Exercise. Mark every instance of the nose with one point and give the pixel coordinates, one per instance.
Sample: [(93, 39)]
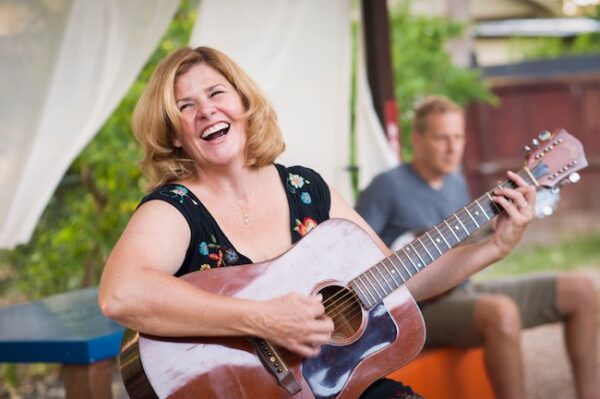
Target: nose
[(454, 145), (206, 109)]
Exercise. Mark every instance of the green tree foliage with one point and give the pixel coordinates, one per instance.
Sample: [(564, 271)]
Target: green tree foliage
[(95, 199), (422, 66)]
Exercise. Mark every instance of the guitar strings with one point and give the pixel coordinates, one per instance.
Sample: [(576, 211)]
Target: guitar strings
[(337, 304)]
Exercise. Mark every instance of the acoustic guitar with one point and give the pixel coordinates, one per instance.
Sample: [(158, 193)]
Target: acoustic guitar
[(378, 326)]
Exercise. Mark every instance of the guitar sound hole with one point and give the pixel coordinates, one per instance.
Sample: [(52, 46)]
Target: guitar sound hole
[(343, 307)]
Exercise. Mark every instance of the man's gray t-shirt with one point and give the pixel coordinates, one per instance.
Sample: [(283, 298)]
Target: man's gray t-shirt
[(400, 201)]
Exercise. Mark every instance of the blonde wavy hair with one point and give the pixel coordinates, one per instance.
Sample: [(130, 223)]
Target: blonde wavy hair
[(156, 118)]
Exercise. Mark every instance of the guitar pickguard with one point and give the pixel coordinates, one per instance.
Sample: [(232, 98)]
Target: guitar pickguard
[(328, 373)]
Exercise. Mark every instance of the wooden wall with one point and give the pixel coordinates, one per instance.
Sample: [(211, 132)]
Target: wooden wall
[(496, 135)]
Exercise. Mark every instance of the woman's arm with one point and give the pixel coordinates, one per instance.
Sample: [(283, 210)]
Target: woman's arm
[(138, 289)]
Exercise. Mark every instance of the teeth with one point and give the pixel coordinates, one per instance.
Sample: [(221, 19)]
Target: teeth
[(214, 129)]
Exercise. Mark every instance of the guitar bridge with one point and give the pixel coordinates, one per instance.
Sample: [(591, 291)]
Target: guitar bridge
[(274, 363)]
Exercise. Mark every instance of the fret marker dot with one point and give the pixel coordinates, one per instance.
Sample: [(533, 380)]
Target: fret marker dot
[(408, 249), (438, 240), (418, 264), (477, 213), (456, 227)]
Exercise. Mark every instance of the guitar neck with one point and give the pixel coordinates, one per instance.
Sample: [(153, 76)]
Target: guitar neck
[(393, 271)]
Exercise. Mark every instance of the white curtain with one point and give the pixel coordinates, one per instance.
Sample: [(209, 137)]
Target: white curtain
[(65, 65), (373, 152), (299, 53)]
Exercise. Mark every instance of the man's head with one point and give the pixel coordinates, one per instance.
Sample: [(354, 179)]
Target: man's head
[(438, 136)]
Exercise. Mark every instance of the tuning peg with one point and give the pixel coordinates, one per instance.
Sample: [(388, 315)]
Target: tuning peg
[(547, 210), (526, 148), (545, 135), (574, 177), (535, 142)]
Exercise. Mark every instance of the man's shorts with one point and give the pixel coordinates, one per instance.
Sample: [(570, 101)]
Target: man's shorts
[(450, 319)]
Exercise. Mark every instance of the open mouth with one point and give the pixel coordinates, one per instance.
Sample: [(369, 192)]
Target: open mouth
[(215, 131)]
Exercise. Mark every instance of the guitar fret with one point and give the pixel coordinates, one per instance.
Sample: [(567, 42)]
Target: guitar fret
[(461, 224), (425, 248), (384, 277), (443, 238), (452, 231), (402, 263), (418, 256), (469, 213), (390, 273), (493, 203), (366, 299), (411, 261), (527, 177), (482, 210), (396, 271), (431, 239), (375, 286), (367, 288), (377, 279)]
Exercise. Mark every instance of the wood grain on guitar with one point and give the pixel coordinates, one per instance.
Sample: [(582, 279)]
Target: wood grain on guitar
[(378, 326)]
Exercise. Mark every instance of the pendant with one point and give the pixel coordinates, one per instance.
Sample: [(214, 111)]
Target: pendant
[(246, 219)]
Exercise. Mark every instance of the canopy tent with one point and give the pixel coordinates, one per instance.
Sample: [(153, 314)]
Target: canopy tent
[(67, 66)]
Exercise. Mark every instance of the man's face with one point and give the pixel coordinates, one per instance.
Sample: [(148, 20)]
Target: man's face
[(441, 147)]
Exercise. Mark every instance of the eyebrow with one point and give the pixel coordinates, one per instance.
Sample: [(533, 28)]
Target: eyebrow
[(208, 89), (183, 99)]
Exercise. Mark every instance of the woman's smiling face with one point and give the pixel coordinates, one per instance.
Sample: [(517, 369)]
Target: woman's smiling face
[(213, 129)]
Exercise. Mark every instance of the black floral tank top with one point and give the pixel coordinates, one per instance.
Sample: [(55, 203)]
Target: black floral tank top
[(309, 203)]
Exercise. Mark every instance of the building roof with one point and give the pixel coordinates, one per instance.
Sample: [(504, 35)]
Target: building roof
[(554, 27)]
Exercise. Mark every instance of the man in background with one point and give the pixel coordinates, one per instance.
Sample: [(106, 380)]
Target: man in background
[(414, 197)]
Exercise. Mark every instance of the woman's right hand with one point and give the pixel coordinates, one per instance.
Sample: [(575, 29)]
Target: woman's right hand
[(296, 322)]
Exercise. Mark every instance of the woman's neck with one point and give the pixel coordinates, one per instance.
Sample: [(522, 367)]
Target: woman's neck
[(237, 183)]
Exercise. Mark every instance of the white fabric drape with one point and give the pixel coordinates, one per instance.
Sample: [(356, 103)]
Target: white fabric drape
[(65, 66), (299, 53), (373, 152)]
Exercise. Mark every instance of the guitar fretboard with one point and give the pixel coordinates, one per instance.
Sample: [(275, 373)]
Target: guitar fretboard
[(392, 272)]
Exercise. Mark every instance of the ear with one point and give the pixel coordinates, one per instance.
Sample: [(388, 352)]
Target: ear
[(175, 141)]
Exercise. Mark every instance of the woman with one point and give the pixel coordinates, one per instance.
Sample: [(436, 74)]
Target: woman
[(210, 139)]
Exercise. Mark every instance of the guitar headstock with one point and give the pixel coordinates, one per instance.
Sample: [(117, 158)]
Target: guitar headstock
[(555, 158)]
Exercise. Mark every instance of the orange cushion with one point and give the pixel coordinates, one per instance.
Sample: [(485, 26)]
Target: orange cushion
[(447, 373)]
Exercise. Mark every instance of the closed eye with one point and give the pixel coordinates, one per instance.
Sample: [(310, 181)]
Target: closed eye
[(184, 106), (216, 92)]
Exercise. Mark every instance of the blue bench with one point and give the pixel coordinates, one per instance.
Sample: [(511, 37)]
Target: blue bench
[(68, 329)]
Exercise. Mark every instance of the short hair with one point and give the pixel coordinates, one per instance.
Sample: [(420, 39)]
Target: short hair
[(156, 117), (435, 104)]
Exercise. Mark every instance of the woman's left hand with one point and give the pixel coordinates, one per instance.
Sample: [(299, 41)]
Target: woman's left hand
[(519, 206)]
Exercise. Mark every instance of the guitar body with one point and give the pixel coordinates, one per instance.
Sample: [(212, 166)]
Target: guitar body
[(366, 344)]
